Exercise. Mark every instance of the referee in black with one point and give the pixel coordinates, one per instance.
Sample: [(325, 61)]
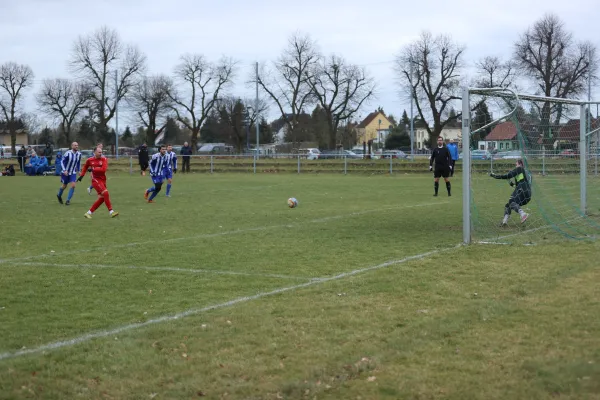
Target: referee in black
[(443, 165)]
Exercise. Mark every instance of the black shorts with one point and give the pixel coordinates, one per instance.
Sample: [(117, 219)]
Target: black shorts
[(441, 171), (521, 195)]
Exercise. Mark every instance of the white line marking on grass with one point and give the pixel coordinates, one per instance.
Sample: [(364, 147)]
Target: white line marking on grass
[(194, 311), (174, 269), (217, 234)]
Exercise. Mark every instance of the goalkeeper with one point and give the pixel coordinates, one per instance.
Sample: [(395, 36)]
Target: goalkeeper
[(520, 196)]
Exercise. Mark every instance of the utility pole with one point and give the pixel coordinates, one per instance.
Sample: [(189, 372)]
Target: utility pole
[(256, 113), (412, 122), (117, 114)]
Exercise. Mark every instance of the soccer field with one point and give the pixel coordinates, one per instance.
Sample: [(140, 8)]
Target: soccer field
[(222, 291)]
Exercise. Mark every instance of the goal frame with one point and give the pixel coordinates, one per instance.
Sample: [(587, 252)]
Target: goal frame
[(466, 143)]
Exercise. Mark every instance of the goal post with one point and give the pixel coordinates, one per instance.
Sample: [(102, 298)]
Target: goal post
[(557, 140)]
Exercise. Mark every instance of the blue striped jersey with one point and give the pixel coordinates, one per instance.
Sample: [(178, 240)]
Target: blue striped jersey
[(71, 162), (157, 164), (170, 160)]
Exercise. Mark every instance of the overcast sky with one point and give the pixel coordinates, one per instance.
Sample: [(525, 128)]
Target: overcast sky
[(41, 33)]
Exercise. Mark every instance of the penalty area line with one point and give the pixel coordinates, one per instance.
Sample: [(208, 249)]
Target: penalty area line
[(195, 311), (170, 269), (219, 234)]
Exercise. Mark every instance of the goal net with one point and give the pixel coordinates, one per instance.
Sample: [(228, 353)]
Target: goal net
[(558, 142)]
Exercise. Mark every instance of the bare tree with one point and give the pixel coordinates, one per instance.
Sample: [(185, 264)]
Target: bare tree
[(341, 89), (64, 99), (151, 102), (493, 72), (202, 85), (431, 68), (288, 83), (232, 114), (556, 64), (14, 79), (255, 111), (96, 58)]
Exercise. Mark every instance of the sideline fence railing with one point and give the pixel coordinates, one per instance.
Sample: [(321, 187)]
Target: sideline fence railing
[(542, 163)]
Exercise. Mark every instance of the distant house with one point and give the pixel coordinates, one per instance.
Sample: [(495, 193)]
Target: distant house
[(376, 127), (568, 134), (502, 138), (421, 134), (22, 139), (452, 131)]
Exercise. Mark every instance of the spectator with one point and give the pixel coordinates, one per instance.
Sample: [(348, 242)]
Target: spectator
[(57, 164), (143, 158), (21, 154), (186, 152), (41, 166), (8, 171), (32, 164), (48, 153), (30, 152), (453, 149)]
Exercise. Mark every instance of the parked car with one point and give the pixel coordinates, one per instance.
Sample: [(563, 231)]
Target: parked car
[(568, 153), (309, 153), (480, 155), (512, 155), (393, 154)]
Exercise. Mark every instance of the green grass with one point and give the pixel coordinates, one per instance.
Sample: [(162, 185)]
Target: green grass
[(482, 322)]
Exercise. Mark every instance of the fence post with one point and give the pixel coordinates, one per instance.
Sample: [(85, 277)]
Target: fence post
[(345, 164), (298, 163), (596, 152), (130, 165), (544, 161), (391, 160), (211, 164), (255, 163)]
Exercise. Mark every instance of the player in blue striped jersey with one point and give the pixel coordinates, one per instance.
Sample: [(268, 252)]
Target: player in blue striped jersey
[(170, 167), (157, 170), (70, 163)]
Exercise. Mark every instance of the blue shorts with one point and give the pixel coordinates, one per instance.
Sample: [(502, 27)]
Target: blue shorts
[(157, 179), (168, 174), (66, 179)]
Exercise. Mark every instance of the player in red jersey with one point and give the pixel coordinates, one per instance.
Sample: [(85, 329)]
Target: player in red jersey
[(98, 164)]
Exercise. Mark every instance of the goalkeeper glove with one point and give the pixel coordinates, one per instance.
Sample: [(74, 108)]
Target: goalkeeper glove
[(511, 183), (430, 168), (80, 178), (89, 169), (493, 175), (175, 171)]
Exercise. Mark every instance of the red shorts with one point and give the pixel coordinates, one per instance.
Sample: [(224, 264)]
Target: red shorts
[(100, 186)]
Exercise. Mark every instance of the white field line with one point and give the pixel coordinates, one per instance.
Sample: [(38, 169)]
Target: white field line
[(218, 234), (540, 228), (173, 269), (194, 311)]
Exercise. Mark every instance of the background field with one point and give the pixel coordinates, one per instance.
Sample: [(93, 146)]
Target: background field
[(223, 292)]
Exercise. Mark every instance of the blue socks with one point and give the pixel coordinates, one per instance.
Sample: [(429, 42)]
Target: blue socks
[(60, 192), (154, 193), (71, 191), (168, 188)]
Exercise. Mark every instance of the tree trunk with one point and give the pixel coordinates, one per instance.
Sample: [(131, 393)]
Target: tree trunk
[(194, 138)]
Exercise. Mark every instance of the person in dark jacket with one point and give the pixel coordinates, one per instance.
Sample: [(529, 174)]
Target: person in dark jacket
[(143, 158), (21, 154), (8, 171), (186, 152), (48, 150)]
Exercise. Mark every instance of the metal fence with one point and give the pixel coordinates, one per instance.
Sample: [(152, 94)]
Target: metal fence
[(538, 162)]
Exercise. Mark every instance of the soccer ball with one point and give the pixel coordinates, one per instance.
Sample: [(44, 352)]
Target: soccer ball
[(292, 202)]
